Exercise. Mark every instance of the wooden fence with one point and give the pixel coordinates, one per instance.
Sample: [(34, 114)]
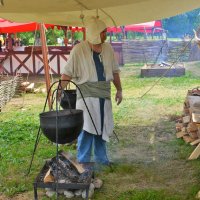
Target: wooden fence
[(8, 88), (155, 51), (132, 51)]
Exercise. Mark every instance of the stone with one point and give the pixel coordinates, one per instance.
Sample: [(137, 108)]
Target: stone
[(78, 193), (91, 191), (68, 194), (50, 193), (97, 183)]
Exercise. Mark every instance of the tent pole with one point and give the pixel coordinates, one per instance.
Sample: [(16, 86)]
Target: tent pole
[(45, 61), (84, 34)]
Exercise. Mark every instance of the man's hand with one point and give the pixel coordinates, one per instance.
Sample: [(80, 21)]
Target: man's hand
[(64, 82), (118, 97), (117, 83)]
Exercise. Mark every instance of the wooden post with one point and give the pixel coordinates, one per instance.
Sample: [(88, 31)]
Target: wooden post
[(72, 37), (45, 61), (84, 34)]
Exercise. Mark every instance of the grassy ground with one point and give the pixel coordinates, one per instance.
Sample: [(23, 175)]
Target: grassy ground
[(150, 163)]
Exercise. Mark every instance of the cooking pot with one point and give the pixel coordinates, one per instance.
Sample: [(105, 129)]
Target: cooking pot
[(69, 125), (68, 99)]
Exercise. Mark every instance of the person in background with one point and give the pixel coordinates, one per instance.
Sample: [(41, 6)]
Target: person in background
[(9, 42), (0, 46), (1, 39), (92, 66), (17, 42), (65, 41)]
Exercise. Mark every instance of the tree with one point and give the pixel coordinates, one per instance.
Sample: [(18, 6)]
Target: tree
[(180, 25)]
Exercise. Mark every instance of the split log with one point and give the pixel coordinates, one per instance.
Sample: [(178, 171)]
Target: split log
[(186, 119), (49, 178), (193, 134), (195, 154), (179, 126), (30, 88), (188, 139), (181, 134), (186, 111), (192, 127), (37, 90), (25, 84), (196, 117), (198, 132), (78, 166), (195, 142)]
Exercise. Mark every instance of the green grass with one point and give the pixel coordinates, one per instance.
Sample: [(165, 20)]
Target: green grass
[(149, 194), (145, 130)]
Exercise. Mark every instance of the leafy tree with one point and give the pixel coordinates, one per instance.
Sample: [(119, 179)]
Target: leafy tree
[(180, 25)]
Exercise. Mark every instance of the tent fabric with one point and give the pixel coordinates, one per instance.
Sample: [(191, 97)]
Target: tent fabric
[(113, 12), (144, 27), (14, 27), (114, 29), (147, 27)]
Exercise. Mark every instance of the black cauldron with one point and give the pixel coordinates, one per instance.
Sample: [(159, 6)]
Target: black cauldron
[(68, 99), (69, 125)]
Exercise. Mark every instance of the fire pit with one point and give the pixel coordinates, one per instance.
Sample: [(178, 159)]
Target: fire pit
[(60, 127), (163, 69), (68, 176)]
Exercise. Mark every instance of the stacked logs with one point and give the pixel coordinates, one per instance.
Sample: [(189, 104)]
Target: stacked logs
[(188, 126)]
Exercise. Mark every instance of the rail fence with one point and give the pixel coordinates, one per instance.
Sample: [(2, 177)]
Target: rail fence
[(9, 85), (156, 51)]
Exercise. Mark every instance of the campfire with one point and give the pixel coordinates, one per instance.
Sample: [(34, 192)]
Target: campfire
[(63, 175)]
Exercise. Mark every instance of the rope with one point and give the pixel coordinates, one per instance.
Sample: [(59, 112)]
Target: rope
[(27, 77)]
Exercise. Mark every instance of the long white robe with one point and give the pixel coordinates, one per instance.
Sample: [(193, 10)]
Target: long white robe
[(81, 67)]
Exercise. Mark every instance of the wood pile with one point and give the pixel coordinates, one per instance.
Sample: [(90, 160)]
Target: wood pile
[(28, 87), (188, 126), (71, 173)]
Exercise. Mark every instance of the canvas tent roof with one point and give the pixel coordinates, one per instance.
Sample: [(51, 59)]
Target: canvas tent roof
[(13, 27), (144, 27), (67, 12), (7, 26), (147, 27)]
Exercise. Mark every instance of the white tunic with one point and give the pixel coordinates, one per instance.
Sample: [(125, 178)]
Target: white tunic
[(81, 67)]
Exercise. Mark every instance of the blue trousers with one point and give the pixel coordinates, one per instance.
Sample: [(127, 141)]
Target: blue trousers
[(86, 142)]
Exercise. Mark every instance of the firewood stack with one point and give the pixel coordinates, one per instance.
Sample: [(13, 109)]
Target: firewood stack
[(188, 126)]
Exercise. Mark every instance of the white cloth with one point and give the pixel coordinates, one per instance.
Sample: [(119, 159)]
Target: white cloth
[(81, 67), (94, 27)]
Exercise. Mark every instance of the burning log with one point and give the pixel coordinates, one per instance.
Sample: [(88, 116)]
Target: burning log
[(66, 169), (78, 166), (49, 177), (63, 173)]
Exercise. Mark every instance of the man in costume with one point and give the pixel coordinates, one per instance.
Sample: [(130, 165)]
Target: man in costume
[(92, 66)]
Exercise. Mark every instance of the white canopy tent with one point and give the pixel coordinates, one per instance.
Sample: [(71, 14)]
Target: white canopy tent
[(67, 12), (73, 13)]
